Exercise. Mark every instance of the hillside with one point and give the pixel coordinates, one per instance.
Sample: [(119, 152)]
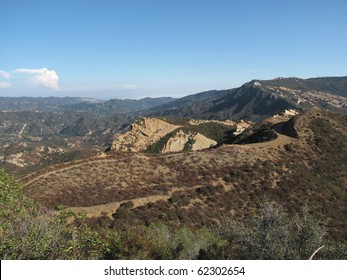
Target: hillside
[(259, 99), (304, 165)]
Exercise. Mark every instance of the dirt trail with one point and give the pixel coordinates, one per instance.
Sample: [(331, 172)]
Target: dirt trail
[(110, 208), (46, 174), (279, 142)]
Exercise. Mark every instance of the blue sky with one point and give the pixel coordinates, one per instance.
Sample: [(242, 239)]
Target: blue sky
[(136, 48)]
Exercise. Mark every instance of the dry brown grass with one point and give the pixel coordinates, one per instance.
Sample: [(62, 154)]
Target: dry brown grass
[(115, 179)]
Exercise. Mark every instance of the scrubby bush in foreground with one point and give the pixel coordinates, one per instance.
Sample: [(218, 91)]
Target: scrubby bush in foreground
[(29, 232)]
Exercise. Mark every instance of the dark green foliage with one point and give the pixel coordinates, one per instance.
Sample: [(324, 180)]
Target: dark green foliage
[(256, 134), (215, 131), (160, 242), (188, 145), (157, 147)]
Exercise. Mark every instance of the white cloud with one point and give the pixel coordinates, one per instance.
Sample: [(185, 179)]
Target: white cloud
[(43, 76), (5, 85), (5, 74)]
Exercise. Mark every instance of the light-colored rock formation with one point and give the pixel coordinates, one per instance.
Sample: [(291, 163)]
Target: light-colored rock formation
[(241, 126), (148, 131), (201, 142), (16, 159), (188, 141), (142, 134), (287, 113), (290, 112)]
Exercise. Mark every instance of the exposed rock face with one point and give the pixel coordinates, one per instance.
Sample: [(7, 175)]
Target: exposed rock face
[(188, 141), (142, 134), (287, 113), (201, 142), (290, 113)]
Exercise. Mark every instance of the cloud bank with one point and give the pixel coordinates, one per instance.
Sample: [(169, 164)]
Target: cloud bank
[(42, 77)]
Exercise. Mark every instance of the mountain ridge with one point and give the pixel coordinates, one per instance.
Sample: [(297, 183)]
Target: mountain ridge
[(258, 99)]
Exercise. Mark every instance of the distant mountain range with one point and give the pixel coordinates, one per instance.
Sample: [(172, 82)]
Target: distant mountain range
[(252, 101)]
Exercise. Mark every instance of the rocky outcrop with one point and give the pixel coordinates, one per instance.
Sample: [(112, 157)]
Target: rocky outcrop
[(142, 134), (188, 141), (162, 136), (287, 113), (241, 126)]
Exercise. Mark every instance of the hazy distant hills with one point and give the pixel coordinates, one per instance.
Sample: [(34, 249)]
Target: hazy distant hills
[(60, 104), (113, 106), (40, 103), (63, 124), (259, 99)]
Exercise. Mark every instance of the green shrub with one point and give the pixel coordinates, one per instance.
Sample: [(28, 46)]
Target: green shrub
[(29, 232)]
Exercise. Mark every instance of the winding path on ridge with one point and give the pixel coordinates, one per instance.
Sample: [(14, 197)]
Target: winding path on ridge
[(279, 142), (268, 149)]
